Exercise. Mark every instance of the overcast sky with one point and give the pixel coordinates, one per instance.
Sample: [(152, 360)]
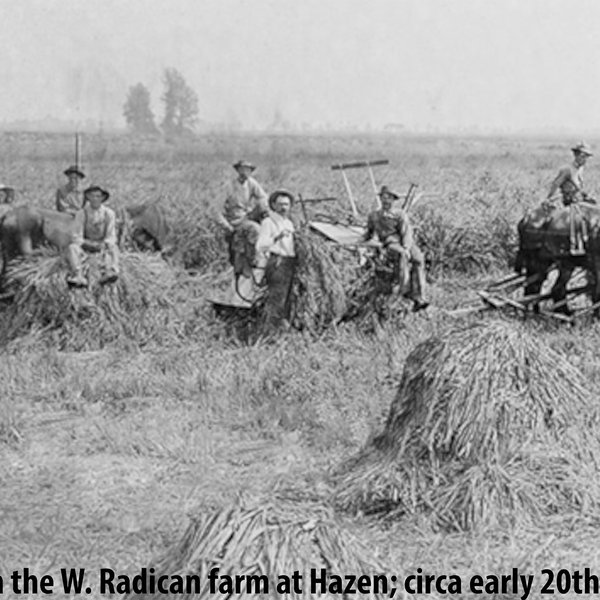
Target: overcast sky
[(441, 64)]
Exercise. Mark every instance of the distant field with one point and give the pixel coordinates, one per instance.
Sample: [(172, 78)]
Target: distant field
[(106, 455)]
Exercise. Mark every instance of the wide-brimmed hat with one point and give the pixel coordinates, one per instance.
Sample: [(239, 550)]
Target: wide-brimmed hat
[(244, 163), (97, 188), (582, 148), (276, 195), (386, 191), (10, 192), (75, 169)]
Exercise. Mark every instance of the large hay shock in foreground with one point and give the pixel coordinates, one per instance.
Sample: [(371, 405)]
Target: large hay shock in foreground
[(136, 306), (488, 425)]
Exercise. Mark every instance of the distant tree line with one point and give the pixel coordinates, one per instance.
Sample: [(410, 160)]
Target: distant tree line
[(180, 103)]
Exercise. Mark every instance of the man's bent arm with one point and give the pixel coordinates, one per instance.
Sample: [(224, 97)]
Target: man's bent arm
[(558, 181), (111, 230)]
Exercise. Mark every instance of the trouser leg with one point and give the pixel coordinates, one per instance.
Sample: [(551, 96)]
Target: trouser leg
[(401, 267), (74, 257), (111, 259), (417, 274), (279, 274), (243, 247)]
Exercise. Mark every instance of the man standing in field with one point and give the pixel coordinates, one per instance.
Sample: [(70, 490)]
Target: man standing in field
[(570, 183), (395, 233), (276, 253), (99, 235), (570, 177), (68, 197)]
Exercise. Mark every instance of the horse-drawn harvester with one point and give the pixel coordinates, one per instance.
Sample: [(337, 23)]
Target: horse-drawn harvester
[(335, 238)]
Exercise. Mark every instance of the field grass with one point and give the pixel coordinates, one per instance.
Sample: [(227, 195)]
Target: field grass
[(108, 453)]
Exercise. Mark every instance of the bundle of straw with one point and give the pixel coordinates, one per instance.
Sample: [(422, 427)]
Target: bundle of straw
[(290, 530), (324, 271), (370, 298), (137, 305), (487, 423)]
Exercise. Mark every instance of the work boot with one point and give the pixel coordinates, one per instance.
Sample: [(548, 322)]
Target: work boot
[(77, 281), (564, 309), (420, 305), (109, 278)]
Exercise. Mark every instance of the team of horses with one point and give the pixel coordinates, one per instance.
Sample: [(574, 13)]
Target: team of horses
[(545, 240)]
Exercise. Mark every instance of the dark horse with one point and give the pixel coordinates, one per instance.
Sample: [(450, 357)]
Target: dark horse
[(545, 239)]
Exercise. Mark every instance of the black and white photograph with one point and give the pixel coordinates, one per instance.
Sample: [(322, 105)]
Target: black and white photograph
[(300, 299)]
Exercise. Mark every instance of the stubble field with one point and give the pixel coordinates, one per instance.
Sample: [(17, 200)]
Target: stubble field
[(107, 453)]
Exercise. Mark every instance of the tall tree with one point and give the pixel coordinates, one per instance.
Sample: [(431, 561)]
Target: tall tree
[(181, 104), (137, 111)]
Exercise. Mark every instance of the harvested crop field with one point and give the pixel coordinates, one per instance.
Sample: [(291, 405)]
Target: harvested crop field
[(128, 430)]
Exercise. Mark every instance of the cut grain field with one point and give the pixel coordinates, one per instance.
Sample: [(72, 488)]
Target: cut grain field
[(111, 448)]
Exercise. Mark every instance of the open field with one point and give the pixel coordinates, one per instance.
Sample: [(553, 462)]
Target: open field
[(108, 453)]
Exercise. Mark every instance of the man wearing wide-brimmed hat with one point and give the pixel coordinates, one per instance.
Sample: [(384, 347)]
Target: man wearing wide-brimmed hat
[(570, 177), (570, 183), (99, 235), (245, 207), (68, 197), (394, 231), (245, 198), (277, 254)]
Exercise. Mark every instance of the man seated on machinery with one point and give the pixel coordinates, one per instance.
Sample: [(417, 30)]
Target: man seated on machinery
[(245, 207), (570, 183), (394, 231)]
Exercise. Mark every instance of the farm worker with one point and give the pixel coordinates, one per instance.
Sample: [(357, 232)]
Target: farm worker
[(276, 253), (570, 183), (245, 206), (68, 197), (394, 231), (99, 235), (570, 177)]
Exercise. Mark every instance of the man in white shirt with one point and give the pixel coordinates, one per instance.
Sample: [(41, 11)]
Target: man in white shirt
[(276, 252), (570, 177), (99, 235)]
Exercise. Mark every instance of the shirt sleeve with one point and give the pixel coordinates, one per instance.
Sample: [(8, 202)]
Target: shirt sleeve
[(259, 195), (111, 230), (563, 175)]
